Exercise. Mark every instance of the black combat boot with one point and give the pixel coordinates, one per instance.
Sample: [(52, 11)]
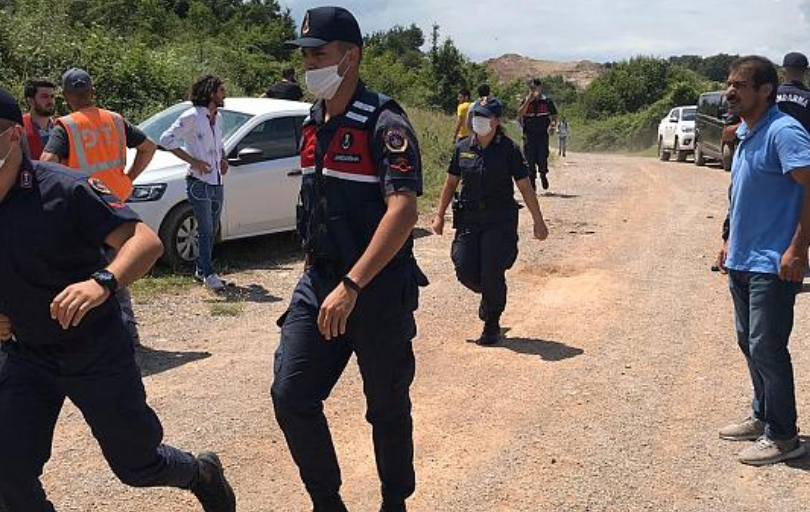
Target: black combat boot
[(330, 505), (393, 507), (211, 488), (491, 334)]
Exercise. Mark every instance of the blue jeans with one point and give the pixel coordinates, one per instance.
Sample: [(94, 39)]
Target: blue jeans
[(206, 200), (763, 306)]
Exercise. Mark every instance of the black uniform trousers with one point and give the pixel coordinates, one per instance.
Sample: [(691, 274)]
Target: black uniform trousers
[(482, 253), (536, 152), (98, 373), (307, 367)]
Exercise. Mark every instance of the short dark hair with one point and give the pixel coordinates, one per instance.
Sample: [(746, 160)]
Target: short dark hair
[(33, 85), (465, 92), (204, 89), (288, 73), (484, 90), (763, 72)]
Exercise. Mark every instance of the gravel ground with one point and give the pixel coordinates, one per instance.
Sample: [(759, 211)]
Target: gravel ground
[(620, 366)]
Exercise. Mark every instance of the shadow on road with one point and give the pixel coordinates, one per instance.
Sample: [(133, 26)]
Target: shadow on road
[(548, 350), (279, 251), (559, 195), (152, 362), (804, 462), (251, 293)]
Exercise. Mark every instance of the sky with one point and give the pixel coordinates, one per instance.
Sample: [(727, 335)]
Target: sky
[(597, 30)]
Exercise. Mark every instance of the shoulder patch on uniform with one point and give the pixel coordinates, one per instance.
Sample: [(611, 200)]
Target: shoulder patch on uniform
[(396, 141), (99, 186)]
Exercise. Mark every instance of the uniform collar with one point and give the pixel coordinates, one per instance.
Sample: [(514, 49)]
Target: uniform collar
[(317, 112), (495, 141), (796, 83)]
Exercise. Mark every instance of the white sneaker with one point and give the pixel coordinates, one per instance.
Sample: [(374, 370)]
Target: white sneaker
[(214, 283)]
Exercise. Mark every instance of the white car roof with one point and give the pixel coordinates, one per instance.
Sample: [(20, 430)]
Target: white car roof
[(257, 106)]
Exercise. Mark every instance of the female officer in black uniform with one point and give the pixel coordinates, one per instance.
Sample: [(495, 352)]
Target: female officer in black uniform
[(486, 213)]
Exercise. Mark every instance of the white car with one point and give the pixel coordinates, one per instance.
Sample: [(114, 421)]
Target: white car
[(676, 134), (261, 187)]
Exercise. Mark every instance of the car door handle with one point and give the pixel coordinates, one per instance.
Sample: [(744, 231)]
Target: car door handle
[(297, 172)]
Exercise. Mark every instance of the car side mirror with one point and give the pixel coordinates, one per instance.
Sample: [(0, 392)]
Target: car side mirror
[(247, 156)]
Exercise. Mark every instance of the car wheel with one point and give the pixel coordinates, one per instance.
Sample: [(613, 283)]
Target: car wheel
[(700, 160), (663, 154), (179, 236), (728, 157), (680, 154)]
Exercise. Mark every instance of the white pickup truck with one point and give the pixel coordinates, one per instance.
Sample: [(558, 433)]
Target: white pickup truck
[(676, 134)]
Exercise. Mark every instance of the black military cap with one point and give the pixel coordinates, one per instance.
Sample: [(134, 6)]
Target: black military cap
[(795, 60), (9, 108), (326, 24)]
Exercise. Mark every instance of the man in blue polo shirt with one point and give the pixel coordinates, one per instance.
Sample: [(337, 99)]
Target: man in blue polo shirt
[(766, 255)]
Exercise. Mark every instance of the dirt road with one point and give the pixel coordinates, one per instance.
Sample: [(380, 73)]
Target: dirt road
[(620, 366)]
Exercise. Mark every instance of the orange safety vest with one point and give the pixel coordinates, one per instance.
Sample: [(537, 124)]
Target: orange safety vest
[(98, 146)]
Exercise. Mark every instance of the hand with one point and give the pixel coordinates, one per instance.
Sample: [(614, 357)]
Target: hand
[(224, 166), (794, 264), (335, 311), (438, 224), (5, 328), (721, 258), (200, 166), (540, 230), (70, 306)]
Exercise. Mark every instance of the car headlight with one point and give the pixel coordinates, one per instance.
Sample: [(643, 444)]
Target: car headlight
[(147, 193), (687, 129)]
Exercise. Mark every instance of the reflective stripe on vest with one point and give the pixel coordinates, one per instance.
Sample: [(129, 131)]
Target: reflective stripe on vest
[(98, 147)]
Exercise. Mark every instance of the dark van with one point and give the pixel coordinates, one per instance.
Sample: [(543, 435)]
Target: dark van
[(715, 130)]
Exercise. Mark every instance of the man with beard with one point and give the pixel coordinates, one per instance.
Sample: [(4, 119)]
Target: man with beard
[(40, 97), (196, 138)]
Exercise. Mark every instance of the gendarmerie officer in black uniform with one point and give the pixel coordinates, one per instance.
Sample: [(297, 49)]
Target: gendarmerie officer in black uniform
[(486, 165), (63, 334), (793, 97), (538, 114), (358, 294)]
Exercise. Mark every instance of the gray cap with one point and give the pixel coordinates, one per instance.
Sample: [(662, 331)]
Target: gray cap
[(795, 60), (76, 80)]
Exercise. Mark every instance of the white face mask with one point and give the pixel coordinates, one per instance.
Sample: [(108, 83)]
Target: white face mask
[(324, 83), (481, 125), (5, 157)]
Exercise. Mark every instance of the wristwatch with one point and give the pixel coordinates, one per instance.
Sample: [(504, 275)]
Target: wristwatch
[(106, 279)]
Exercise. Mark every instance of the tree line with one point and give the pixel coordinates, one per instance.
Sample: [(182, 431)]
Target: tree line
[(143, 54)]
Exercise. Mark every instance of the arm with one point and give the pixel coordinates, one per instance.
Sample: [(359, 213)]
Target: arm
[(529, 197), (449, 188), (395, 227), (138, 248), (5, 328), (172, 139), (145, 151), (524, 106), (50, 157), (794, 261), (459, 123)]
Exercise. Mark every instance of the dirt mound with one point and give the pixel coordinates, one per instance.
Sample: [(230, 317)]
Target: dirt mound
[(512, 66)]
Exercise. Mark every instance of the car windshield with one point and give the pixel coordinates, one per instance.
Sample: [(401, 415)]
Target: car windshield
[(160, 122), (689, 114)]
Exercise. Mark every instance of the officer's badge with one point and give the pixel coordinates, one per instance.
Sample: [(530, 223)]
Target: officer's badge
[(27, 179), (99, 186), (305, 25), (396, 141), (401, 164), (346, 140)]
